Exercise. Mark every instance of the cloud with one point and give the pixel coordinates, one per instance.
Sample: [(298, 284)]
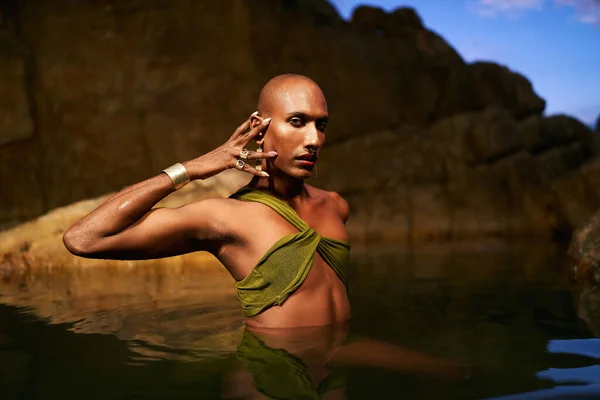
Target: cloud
[(477, 49), (586, 11), (507, 8)]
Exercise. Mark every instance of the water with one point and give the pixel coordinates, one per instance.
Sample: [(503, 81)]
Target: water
[(147, 332)]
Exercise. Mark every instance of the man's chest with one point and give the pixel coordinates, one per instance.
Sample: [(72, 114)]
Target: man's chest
[(260, 228), (265, 229), (323, 218)]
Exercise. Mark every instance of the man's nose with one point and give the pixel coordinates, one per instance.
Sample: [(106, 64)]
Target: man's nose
[(313, 137)]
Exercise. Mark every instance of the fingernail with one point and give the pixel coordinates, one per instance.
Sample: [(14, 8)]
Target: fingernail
[(266, 120), (272, 153), (264, 173), (254, 114)]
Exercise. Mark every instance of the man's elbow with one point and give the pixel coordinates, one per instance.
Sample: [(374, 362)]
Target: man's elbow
[(75, 244)]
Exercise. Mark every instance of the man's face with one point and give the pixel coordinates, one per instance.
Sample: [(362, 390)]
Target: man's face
[(298, 112)]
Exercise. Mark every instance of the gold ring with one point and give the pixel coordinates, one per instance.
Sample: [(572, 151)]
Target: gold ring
[(244, 153), (239, 164)]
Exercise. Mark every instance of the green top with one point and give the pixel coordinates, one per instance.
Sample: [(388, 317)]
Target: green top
[(285, 266), (281, 375)]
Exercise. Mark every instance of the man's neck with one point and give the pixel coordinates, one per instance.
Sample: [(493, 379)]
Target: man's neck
[(287, 188)]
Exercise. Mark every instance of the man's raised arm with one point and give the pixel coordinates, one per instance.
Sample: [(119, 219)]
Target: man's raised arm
[(126, 227)]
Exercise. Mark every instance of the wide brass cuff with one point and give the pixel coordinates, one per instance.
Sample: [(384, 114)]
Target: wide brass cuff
[(178, 175)]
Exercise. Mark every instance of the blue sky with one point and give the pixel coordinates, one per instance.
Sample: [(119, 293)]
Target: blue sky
[(554, 43)]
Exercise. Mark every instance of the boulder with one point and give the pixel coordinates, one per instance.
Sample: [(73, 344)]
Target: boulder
[(404, 18), (584, 249), (109, 93), (496, 85), (16, 123), (475, 174), (38, 243), (371, 20), (579, 197)]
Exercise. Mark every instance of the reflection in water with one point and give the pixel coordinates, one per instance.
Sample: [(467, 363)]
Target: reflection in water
[(287, 364), (578, 383), (163, 332), (308, 363), (162, 306)]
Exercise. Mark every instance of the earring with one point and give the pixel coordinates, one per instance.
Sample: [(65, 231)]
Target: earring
[(316, 171), (258, 165)]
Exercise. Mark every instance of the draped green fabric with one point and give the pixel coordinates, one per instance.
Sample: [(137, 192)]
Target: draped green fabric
[(285, 266), (280, 375)]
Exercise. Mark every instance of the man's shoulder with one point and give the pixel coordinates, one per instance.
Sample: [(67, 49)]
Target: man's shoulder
[(214, 203), (219, 209), (332, 199), (221, 216)]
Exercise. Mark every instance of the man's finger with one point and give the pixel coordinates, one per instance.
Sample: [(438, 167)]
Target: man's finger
[(258, 128), (254, 155), (254, 171), (244, 126), (245, 167)]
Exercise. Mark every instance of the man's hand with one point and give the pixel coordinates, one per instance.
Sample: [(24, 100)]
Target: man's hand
[(230, 153), (126, 227)]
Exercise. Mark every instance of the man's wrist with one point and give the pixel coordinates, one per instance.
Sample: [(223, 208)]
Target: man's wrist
[(178, 174), (202, 168), (192, 170)]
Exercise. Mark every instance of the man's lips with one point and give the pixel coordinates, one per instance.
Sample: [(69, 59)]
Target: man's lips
[(307, 157), (305, 163)]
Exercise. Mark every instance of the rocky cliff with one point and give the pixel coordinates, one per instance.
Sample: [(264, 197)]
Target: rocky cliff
[(38, 243), (99, 94)]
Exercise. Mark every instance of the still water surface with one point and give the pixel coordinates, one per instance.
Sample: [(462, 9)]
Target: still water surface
[(163, 332)]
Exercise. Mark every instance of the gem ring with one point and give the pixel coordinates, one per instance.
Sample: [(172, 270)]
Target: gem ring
[(244, 153), (239, 164)]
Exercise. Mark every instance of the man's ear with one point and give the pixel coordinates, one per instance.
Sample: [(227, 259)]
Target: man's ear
[(255, 120)]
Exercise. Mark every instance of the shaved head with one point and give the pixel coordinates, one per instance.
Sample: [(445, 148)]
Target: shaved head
[(285, 88), (298, 112)]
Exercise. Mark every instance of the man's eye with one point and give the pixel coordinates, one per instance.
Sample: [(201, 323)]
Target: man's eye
[(322, 126), (296, 121)]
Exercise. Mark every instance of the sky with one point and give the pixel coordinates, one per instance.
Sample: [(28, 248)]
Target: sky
[(554, 43)]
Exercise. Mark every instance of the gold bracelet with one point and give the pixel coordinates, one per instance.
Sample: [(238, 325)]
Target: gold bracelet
[(178, 175)]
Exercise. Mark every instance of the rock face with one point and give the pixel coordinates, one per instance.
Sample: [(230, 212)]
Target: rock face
[(106, 93), (38, 243), (478, 174), (584, 251)]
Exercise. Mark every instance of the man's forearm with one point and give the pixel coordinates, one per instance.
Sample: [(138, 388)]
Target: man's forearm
[(121, 210), (126, 207), (126, 190)]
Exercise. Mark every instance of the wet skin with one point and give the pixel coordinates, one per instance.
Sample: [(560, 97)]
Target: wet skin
[(290, 126)]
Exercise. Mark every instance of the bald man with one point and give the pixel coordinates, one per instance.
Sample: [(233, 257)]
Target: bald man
[(282, 240)]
